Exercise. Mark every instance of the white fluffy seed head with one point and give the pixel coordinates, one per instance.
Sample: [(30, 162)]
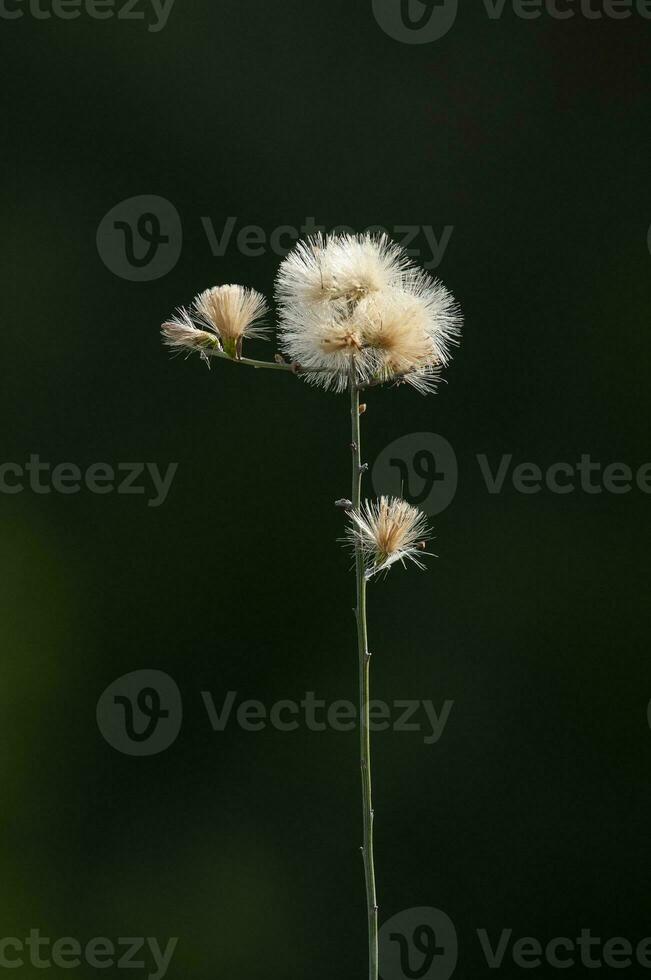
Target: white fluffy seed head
[(325, 341), (233, 312), (357, 304), (339, 267), (395, 333), (386, 531), (443, 317), (181, 334)]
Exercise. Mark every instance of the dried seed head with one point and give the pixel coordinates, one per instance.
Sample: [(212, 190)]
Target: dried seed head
[(386, 531), (233, 312), (395, 329), (181, 334), (357, 304), (339, 268)]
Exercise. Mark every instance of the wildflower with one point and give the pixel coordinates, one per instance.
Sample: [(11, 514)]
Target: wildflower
[(396, 338), (232, 312), (357, 306), (354, 311), (326, 342), (339, 267), (180, 333), (386, 531), (442, 317)]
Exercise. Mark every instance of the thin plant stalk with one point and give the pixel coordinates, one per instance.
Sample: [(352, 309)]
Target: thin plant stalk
[(353, 309), (364, 694)]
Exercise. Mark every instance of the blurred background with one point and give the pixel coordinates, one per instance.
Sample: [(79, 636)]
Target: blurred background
[(520, 145)]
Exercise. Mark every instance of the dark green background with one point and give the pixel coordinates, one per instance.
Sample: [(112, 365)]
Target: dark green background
[(532, 811)]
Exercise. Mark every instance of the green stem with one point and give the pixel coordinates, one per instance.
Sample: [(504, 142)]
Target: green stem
[(364, 697), (267, 365)]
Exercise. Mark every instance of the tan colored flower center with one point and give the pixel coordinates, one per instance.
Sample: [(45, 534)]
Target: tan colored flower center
[(340, 339), (390, 533)]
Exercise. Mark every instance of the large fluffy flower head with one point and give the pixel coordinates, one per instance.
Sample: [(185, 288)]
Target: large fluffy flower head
[(340, 267), (356, 307), (387, 531), (326, 341), (396, 335)]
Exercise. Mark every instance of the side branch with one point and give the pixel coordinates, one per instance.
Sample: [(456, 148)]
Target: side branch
[(279, 364)]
